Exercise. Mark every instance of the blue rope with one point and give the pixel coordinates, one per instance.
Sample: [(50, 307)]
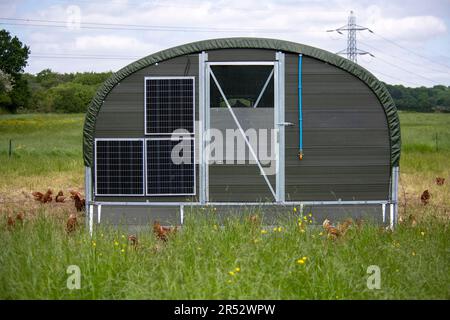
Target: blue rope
[(300, 109)]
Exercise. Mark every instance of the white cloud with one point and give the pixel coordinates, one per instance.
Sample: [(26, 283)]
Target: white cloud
[(300, 21)]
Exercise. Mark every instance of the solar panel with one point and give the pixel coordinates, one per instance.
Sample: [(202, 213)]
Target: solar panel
[(170, 166), (119, 167), (169, 104)]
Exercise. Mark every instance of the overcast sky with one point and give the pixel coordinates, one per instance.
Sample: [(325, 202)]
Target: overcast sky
[(411, 40)]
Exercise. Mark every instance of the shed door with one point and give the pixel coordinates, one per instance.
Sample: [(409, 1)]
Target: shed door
[(242, 148)]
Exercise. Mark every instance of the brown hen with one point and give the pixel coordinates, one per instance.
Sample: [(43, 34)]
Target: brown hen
[(60, 197), (72, 223), (425, 197), (331, 230), (47, 196), (161, 232)]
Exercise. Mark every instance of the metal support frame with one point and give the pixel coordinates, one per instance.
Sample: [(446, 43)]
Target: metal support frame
[(394, 198), (87, 191), (263, 89), (279, 126), (285, 203), (203, 126)]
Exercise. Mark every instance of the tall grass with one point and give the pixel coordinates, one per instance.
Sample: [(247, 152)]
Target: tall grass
[(197, 261)]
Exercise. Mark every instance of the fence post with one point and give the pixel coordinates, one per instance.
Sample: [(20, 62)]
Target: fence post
[(10, 148)]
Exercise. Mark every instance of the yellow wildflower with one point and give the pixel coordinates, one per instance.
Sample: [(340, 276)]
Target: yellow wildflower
[(422, 233), (301, 261), (321, 233), (231, 273), (237, 269), (279, 229), (310, 215), (94, 244), (304, 258), (413, 253), (123, 250), (295, 209), (215, 227), (263, 231), (302, 230), (116, 243), (123, 236)]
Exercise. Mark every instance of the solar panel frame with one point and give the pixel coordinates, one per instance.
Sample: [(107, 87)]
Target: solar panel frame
[(194, 169), (143, 167), (145, 104)]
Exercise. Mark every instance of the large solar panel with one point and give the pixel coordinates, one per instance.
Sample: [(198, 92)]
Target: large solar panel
[(119, 167), (169, 105), (170, 166)]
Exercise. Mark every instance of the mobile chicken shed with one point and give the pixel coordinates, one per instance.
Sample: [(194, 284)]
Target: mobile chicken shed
[(241, 122)]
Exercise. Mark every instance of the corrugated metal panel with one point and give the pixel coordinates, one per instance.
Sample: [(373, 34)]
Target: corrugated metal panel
[(345, 136)]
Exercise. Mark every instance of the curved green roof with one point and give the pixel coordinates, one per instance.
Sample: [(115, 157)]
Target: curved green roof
[(240, 43)]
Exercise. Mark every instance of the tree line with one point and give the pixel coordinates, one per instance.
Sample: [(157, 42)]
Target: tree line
[(49, 91)]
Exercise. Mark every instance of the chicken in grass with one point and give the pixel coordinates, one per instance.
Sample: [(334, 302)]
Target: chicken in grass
[(161, 232), (72, 223), (11, 222), (60, 197), (47, 196), (38, 196), (343, 227), (332, 231), (254, 219), (425, 197), (80, 203), (20, 217), (133, 240), (440, 181)]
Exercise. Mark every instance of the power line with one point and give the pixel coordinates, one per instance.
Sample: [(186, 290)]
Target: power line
[(410, 51), (406, 70), (134, 27), (395, 78), (80, 57), (400, 58)]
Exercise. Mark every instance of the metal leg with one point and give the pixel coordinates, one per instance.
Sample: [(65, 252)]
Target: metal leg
[(91, 219), (383, 208), (182, 213), (99, 213), (391, 216)]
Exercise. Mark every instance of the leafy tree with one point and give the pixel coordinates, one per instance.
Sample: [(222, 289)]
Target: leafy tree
[(13, 59)]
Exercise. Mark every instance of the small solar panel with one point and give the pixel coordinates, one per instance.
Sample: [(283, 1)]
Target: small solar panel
[(170, 166), (169, 105), (119, 167)]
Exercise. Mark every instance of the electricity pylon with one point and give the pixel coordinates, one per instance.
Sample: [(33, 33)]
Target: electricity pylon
[(352, 51)]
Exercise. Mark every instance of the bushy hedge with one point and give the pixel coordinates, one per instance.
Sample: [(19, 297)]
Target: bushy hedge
[(63, 93)]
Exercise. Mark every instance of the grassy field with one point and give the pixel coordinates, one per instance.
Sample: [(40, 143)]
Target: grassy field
[(237, 261)]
